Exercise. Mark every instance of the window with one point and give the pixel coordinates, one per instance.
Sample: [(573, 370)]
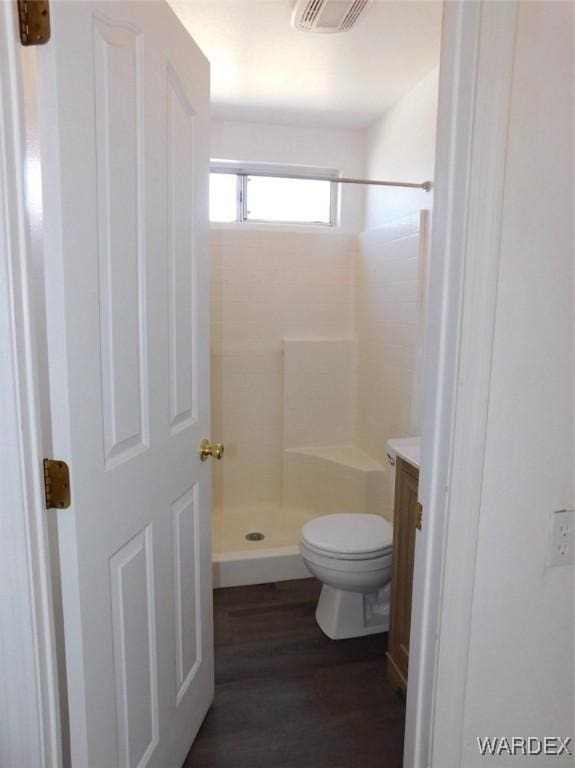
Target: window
[(242, 197)]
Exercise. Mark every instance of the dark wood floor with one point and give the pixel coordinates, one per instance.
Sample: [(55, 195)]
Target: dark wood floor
[(287, 696)]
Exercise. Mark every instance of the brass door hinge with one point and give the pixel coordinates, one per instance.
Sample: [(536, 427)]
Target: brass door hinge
[(34, 19), (56, 484), (419, 518)]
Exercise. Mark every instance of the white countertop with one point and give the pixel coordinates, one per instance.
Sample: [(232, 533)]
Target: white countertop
[(407, 448)]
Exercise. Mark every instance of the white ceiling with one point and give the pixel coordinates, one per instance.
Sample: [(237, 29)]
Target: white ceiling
[(265, 70)]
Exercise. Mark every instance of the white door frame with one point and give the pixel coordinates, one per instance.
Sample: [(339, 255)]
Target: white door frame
[(29, 707), (475, 80), (474, 101)]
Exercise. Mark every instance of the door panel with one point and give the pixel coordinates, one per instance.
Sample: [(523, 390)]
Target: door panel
[(182, 280), (124, 121), (187, 589), (134, 641), (119, 132)]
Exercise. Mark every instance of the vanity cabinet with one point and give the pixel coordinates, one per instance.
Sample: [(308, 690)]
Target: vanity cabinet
[(404, 528)]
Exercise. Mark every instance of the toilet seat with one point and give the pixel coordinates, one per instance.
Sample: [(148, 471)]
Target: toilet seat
[(346, 536), (372, 562)]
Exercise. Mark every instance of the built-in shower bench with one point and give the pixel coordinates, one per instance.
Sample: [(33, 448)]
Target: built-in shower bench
[(332, 478)]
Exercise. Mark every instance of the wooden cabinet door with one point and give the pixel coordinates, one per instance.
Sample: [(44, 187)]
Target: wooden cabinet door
[(404, 523)]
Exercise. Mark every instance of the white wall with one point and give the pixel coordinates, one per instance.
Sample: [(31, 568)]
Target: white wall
[(401, 147), (390, 274), (389, 321), (319, 391), (521, 666), (323, 148), (271, 283), (267, 285)]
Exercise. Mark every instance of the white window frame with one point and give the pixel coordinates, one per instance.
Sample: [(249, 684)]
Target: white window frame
[(243, 170)]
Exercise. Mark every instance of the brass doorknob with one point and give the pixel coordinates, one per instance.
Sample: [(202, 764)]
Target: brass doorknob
[(207, 449)]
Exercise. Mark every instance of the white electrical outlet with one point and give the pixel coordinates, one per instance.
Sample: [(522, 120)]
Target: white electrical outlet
[(562, 539)]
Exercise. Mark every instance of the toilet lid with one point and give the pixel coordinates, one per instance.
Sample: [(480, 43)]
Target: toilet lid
[(348, 534)]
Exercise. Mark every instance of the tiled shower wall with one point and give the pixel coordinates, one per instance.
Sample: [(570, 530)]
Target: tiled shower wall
[(267, 285), (271, 284), (389, 298)]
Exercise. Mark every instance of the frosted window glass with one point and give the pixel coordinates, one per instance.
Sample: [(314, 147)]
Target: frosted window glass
[(223, 192), (288, 200)]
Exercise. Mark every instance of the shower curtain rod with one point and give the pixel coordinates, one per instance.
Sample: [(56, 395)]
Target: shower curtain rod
[(426, 185)]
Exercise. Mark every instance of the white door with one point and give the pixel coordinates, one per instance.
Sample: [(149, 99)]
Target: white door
[(124, 100)]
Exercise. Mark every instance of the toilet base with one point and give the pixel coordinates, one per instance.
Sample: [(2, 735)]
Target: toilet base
[(341, 614)]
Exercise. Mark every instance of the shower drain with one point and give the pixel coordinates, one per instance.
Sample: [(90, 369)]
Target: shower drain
[(255, 536)]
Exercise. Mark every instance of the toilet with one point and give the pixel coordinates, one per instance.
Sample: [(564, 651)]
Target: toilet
[(351, 555)]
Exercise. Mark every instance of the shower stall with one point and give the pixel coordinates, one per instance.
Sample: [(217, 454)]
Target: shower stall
[(315, 336)]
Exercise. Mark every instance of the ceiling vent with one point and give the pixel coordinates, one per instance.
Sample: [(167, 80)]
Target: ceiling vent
[(328, 15)]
